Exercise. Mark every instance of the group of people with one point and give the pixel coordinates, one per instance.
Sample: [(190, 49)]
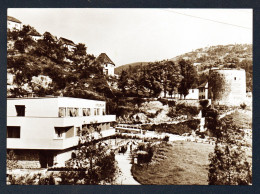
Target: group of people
[(124, 148)]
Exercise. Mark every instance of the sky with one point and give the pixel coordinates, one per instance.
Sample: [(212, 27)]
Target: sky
[(141, 35)]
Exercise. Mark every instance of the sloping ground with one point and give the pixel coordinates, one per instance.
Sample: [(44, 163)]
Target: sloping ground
[(242, 118), (155, 111), (179, 163)]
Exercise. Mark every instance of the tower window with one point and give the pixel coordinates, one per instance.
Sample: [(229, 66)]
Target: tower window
[(235, 78)]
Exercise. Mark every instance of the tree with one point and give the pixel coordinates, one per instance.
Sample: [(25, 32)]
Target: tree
[(80, 50), (123, 82), (228, 163), (172, 77), (189, 77), (95, 161)]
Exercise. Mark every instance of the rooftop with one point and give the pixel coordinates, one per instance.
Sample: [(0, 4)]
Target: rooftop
[(103, 58), (67, 41), (46, 97), (10, 18)]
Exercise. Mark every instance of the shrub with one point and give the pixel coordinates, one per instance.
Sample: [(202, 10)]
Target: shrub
[(163, 101), (178, 129), (166, 138), (243, 106), (11, 162), (204, 103)]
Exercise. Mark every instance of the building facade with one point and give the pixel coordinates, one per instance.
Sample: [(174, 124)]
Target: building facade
[(69, 44), (13, 23), (107, 64), (203, 91), (44, 131)]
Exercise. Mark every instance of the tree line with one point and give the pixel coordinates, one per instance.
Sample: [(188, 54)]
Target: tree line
[(162, 76)]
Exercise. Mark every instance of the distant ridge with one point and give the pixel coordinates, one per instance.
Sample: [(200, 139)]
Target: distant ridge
[(119, 69)]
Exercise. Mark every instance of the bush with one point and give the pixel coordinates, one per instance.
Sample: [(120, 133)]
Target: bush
[(243, 106), (178, 129), (163, 101), (166, 138), (204, 103)]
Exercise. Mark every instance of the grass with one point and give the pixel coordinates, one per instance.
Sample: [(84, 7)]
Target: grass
[(183, 163), (243, 119)]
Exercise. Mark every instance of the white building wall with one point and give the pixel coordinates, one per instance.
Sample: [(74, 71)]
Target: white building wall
[(13, 25), (109, 68), (37, 127), (193, 94)]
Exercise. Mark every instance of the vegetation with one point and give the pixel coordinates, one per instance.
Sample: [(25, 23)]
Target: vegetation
[(178, 129), (189, 75), (11, 161), (229, 164), (72, 73), (221, 56), (35, 179), (150, 80), (180, 163)]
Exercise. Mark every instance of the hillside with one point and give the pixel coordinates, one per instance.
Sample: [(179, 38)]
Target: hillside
[(47, 67), (119, 69), (221, 56)]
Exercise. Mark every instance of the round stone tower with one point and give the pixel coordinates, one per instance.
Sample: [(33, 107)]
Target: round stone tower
[(227, 86)]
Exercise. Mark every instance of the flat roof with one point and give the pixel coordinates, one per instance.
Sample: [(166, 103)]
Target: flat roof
[(24, 98)]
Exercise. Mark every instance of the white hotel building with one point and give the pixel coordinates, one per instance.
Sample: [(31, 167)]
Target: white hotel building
[(44, 131)]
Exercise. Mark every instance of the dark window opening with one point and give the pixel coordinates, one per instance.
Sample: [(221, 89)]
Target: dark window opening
[(235, 78), (20, 110), (13, 132)]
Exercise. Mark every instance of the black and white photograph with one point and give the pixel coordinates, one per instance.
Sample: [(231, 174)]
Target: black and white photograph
[(129, 96)]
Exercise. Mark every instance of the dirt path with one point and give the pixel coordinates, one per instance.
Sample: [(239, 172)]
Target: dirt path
[(124, 164)]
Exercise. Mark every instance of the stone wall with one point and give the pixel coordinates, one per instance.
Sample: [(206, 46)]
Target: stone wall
[(190, 102), (27, 158)]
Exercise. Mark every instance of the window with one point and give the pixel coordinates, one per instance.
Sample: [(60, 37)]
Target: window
[(59, 132), (20, 110), (103, 111), (86, 111), (13, 132), (235, 78), (98, 111), (95, 111), (70, 112), (76, 112), (192, 91), (62, 112)]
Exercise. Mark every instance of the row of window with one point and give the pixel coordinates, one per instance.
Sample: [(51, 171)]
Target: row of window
[(75, 112)]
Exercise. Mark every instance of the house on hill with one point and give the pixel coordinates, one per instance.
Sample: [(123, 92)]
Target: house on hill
[(107, 64), (13, 23), (67, 43), (203, 91), (35, 35)]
